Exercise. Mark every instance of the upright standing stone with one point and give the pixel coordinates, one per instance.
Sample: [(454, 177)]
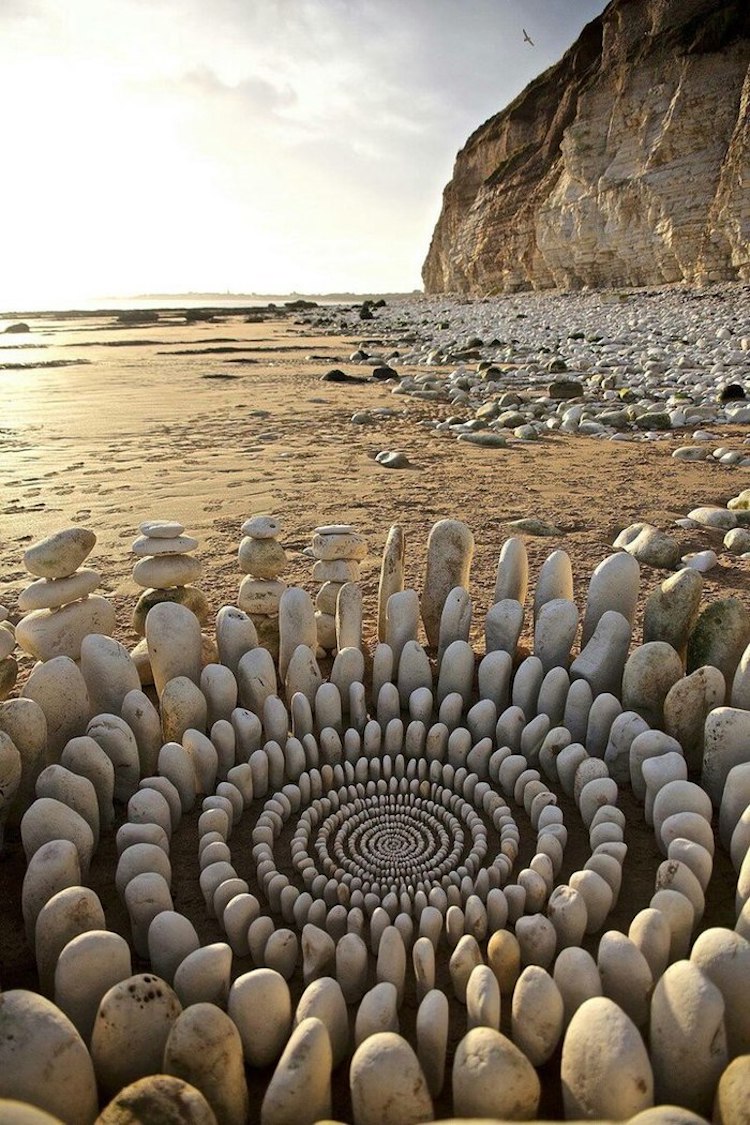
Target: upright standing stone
[(605, 1069), (687, 705), (455, 620), (450, 548), (671, 610), (650, 671), (204, 1048), (614, 585), (387, 1084), (88, 966), (555, 580), (688, 1038), (131, 1030), (235, 635), (391, 573), (10, 779), (726, 744), (173, 635), (296, 625), (43, 1060), (554, 633), (602, 661), (300, 1089), (492, 1078), (60, 690), (512, 577), (719, 637)]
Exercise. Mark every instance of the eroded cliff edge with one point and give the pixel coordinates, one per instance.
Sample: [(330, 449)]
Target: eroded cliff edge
[(625, 164)]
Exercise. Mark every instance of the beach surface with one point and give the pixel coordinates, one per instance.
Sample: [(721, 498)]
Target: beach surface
[(210, 423)]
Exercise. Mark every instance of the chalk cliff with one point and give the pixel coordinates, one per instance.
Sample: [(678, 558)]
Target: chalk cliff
[(626, 163)]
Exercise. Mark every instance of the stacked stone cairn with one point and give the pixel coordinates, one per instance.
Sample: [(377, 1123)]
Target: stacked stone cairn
[(8, 665), (166, 571), (338, 551), (60, 606), (262, 560)]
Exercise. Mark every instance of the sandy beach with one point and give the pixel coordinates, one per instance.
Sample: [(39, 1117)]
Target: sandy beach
[(164, 422)]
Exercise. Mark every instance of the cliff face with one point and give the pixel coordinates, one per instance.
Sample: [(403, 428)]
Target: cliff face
[(626, 163)]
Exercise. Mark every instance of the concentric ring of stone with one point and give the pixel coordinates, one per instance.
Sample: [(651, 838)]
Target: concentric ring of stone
[(399, 841)]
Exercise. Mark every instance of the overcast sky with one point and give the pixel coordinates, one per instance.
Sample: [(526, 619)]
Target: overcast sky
[(245, 145)]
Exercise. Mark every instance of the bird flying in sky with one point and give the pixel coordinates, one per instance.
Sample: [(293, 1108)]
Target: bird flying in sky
[(526, 37)]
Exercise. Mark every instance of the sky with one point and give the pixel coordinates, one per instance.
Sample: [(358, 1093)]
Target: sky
[(268, 146)]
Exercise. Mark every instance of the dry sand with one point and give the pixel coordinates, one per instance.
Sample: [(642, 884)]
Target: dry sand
[(139, 432)]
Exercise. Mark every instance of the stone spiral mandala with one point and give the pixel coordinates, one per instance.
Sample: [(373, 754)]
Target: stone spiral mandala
[(360, 845)]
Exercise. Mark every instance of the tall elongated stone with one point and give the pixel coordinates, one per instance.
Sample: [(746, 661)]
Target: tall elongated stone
[(235, 635), (204, 1048), (173, 636), (300, 1089), (512, 576), (555, 580), (688, 704), (726, 744), (391, 573), (296, 625), (602, 661), (719, 637), (60, 690), (614, 585), (109, 673), (671, 610), (450, 548)]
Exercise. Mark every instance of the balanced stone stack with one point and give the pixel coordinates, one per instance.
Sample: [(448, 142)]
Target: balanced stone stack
[(8, 665), (60, 606), (166, 570), (262, 560), (338, 550)]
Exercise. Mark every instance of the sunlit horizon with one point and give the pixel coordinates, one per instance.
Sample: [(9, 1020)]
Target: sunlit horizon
[(295, 146)]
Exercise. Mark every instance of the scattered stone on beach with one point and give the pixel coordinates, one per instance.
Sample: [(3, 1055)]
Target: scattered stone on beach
[(533, 526), (393, 459), (649, 545)]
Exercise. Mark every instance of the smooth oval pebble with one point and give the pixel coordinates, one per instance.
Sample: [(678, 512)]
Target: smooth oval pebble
[(492, 1078), (387, 1084)]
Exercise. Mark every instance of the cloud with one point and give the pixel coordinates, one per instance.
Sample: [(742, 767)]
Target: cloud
[(312, 133)]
